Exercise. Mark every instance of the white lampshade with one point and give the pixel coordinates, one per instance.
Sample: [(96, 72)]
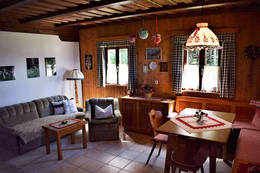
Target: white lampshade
[(202, 38), (75, 74)]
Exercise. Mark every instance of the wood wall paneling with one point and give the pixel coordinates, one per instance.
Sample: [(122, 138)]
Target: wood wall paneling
[(244, 23)]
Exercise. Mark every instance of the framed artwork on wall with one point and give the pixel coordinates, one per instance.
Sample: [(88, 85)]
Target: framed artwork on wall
[(33, 69), (7, 73), (163, 66), (88, 62), (153, 53), (50, 66)]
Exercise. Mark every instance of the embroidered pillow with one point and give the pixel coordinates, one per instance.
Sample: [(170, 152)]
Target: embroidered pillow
[(70, 106), (256, 119), (103, 113), (58, 107)]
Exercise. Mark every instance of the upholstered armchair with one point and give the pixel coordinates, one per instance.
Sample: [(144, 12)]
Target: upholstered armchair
[(103, 129)]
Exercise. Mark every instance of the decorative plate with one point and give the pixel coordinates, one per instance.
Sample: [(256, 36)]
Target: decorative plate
[(152, 65)]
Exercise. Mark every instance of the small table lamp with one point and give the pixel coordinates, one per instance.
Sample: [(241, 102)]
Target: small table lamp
[(75, 75)]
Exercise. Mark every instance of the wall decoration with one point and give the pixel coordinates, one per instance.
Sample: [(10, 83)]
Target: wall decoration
[(153, 65), (145, 68), (33, 67), (7, 73), (163, 66), (153, 53), (157, 37), (50, 66), (88, 62), (132, 38)]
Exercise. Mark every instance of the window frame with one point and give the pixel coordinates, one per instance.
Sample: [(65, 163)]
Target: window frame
[(117, 63), (202, 64)]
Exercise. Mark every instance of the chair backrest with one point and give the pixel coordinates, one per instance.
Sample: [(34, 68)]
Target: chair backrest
[(101, 102), (156, 120), (189, 151)]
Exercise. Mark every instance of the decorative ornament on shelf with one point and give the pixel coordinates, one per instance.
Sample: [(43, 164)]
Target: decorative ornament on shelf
[(132, 38), (199, 115), (202, 38), (157, 37)]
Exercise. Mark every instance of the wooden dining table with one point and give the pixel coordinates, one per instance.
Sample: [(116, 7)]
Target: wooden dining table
[(214, 138)]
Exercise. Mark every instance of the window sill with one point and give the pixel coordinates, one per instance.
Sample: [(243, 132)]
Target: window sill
[(200, 94), (116, 85)]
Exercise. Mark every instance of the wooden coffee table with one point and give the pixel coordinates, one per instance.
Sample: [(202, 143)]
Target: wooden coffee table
[(60, 132)]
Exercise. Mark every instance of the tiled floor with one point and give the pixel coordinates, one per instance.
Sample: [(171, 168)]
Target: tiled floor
[(99, 157)]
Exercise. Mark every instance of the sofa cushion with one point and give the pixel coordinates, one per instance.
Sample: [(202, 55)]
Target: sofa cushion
[(19, 113), (44, 106), (30, 130), (256, 119)]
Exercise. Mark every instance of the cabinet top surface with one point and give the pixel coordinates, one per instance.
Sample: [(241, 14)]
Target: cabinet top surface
[(152, 99)]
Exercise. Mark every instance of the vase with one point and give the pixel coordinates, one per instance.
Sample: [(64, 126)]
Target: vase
[(148, 95)]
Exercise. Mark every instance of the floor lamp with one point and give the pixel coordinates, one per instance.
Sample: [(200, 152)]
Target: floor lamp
[(75, 75)]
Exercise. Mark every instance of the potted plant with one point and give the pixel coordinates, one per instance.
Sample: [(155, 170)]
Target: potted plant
[(147, 90)]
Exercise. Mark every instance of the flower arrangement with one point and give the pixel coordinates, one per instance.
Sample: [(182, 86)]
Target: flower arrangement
[(146, 89)]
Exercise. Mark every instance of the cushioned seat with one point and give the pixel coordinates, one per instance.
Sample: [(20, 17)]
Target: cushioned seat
[(103, 129), (161, 138)]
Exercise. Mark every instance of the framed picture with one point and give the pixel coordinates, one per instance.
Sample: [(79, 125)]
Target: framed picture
[(163, 66), (50, 66), (7, 73), (88, 62), (153, 53), (32, 67)]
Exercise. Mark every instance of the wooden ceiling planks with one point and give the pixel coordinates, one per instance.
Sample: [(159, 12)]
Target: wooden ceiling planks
[(66, 13)]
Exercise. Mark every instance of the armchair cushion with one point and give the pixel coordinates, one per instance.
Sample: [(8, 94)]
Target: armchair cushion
[(103, 121), (103, 113), (101, 102), (256, 120)]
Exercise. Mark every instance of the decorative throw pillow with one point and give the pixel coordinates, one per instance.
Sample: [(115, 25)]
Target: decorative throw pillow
[(103, 113), (70, 106), (256, 119), (58, 107)]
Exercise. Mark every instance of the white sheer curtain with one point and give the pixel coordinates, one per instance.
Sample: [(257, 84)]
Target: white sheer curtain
[(111, 74), (190, 77), (210, 79), (123, 74)]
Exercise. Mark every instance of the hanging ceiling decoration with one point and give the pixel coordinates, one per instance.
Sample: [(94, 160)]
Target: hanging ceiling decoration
[(157, 37), (143, 33), (202, 38), (132, 38)]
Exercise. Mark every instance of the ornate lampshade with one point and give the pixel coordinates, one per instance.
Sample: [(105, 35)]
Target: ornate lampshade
[(75, 74), (202, 38)]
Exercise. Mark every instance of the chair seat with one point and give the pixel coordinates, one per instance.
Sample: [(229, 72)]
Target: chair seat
[(161, 138), (103, 121)]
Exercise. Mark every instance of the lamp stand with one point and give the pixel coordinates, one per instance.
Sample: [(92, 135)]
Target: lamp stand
[(76, 93)]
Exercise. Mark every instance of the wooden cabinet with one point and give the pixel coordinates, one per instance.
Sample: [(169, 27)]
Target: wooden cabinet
[(135, 112)]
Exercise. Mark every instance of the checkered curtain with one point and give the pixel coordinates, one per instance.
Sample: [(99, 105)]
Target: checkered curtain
[(131, 61), (227, 65), (177, 65)]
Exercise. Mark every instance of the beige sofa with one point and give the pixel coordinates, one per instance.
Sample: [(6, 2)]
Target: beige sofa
[(21, 124)]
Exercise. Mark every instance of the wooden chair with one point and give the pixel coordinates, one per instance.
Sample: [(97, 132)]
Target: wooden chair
[(156, 120), (189, 154)]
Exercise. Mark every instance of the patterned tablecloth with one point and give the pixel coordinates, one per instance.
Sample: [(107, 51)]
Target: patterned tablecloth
[(189, 123)]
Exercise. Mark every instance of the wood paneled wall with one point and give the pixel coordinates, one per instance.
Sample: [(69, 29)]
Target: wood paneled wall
[(245, 25)]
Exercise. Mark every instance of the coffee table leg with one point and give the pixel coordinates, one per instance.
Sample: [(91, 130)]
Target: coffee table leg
[(47, 142), (59, 147), (84, 136), (212, 159), (72, 138)]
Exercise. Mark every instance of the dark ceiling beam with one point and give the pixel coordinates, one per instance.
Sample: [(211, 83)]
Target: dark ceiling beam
[(11, 4), (154, 11), (82, 7)]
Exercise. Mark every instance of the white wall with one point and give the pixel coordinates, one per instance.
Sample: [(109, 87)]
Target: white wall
[(16, 47)]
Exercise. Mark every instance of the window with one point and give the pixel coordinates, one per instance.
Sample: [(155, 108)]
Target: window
[(117, 66), (201, 70)]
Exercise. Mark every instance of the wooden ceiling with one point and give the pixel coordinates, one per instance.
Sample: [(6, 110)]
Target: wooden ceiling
[(49, 16)]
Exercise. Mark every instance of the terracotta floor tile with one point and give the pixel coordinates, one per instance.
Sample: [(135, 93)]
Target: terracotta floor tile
[(134, 167), (66, 168), (119, 162), (99, 155), (78, 160), (108, 169), (91, 165), (131, 155)]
